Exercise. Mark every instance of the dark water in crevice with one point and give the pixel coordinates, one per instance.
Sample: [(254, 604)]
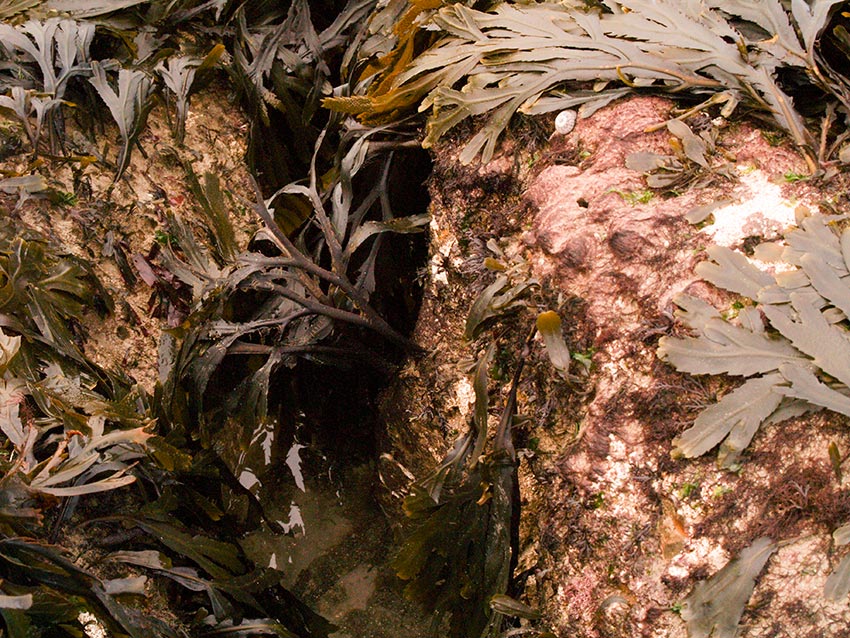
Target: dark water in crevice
[(316, 480), (334, 554)]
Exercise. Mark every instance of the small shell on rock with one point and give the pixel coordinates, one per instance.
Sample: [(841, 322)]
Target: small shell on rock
[(565, 121)]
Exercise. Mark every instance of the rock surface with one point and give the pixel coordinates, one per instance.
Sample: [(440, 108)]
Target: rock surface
[(614, 532)]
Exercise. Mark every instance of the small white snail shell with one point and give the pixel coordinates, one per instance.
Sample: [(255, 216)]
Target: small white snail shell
[(565, 121)]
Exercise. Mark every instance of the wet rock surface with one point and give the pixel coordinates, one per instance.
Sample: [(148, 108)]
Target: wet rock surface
[(614, 532)]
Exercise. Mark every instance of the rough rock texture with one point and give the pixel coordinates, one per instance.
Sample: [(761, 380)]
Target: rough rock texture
[(614, 532), (334, 556), (132, 212)]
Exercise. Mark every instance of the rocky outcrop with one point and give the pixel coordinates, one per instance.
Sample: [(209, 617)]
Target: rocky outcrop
[(614, 532)]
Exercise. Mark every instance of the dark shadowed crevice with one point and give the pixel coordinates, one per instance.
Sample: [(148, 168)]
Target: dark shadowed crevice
[(313, 468)]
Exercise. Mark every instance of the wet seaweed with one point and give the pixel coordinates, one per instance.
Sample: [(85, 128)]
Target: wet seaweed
[(299, 305), (539, 58), (460, 552), (70, 429), (179, 75), (304, 288), (792, 367), (129, 106), (40, 59)]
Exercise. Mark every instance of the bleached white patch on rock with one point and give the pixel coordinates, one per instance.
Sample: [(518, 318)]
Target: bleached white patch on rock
[(699, 552), (761, 211), (444, 249), (465, 394)]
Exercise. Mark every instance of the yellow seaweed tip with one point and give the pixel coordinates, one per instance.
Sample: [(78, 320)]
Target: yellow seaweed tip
[(548, 321)]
